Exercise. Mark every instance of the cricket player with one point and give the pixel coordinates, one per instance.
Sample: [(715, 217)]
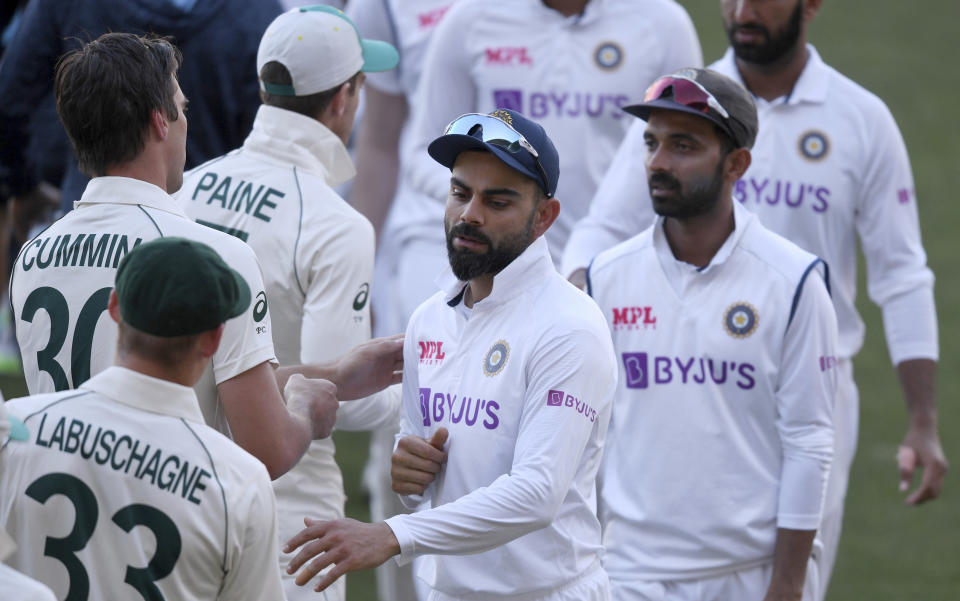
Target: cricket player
[(316, 250), (504, 422), (124, 112), (123, 491), (830, 166), (717, 459), (13, 584)]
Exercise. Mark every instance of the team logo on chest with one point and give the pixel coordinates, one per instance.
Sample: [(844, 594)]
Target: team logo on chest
[(496, 358), (814, 145), (608, 56), (740, 320)]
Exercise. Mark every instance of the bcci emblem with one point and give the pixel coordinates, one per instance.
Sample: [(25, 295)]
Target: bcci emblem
[(740, 320), (496, 358), (503, 116), (608, 56), (814, 145)]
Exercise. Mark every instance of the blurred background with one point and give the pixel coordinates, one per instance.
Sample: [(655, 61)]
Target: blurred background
[(902, 52)]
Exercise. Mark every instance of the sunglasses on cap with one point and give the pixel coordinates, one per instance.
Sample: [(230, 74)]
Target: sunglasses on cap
[(497, 133), (687, 92)]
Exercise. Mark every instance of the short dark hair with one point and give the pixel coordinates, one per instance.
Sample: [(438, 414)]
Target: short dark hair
[(727, 145), (106, 92), (311, 105), (168, 351)]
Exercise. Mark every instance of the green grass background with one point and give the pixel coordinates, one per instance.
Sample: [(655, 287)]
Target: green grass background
[(904, 52)]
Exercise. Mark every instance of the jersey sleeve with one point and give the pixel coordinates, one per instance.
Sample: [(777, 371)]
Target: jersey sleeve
[(246, 340), (576, 368), (898, 278), (374, 19), (621, 207), (445, 92), (253, 572), (805, 399)]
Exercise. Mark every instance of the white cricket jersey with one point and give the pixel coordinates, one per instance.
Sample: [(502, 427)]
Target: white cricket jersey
[(62, 279), (829, 165), (569, 74), (524, 386), (722, 421), (122, 474), (317, 255)]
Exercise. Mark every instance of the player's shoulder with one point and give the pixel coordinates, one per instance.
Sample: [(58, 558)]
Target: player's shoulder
[(661, 11), (28, 406), (854, 101), (775, 255), (627, 252), (428, 310), (561, 309)]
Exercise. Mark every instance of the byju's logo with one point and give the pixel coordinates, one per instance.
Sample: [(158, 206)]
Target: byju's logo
[(558, 398), (431, 352), (508, 56), (642, 371), (425, 405), (635, 366), (634, 318)]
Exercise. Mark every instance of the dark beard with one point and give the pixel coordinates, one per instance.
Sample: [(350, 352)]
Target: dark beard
[(467, 265), (700, 197), (775, 47)]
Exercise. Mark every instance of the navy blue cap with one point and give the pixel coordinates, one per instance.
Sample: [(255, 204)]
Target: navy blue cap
[(448, 147)]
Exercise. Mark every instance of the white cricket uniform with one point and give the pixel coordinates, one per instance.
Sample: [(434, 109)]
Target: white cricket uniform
[(62, 280), (123, 492), (722, 422), (570, 74), (829, 165), (317, 252), (523, 382)]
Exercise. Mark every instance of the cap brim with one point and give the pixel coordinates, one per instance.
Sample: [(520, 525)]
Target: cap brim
[(643, 111), (243, 296), (446, 149), (378, 56), (18, 429)]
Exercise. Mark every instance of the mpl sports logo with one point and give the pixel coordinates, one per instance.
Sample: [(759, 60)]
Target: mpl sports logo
[(634, 318), (431, 18), (431, 352), (507, 56), (558, 398), (690, 370)]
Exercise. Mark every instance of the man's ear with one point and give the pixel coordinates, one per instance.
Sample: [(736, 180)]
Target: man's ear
[(546, 213), (736, 164), (810, 9), (158, 124), (209, 341), (113, 306), (339, 102)]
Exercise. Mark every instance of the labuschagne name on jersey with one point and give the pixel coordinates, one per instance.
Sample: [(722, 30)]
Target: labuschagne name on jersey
[(124, 454), (77, 250)]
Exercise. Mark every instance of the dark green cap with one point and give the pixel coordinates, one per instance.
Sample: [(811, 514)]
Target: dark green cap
[(178, 287)]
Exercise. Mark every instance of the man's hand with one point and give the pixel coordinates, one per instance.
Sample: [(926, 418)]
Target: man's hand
[(416, 462), (346, 544), (921, 447), (313, 400), (579, 278), (370, 367)]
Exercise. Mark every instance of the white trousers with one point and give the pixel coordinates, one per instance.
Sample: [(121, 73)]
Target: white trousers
[(744, 585), (591, 586)]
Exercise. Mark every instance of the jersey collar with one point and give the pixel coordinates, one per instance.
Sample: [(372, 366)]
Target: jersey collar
[(111, 189), (146, 393), (742, 218), (302, 141), (522, 274), (810, 87)]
